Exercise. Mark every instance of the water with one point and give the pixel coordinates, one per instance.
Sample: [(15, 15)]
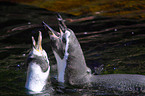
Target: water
[(117, 43)]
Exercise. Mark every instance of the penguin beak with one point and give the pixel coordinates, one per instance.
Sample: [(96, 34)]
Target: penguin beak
[(51, 31), (62, 25), (38, 47)]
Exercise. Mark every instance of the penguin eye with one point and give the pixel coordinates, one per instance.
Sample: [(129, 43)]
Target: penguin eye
[(63, 40), (88, 71)]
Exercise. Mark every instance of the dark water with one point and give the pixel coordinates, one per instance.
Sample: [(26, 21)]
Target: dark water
[(118, 43)]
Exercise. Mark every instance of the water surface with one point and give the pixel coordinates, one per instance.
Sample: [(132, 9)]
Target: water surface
[(116, 42)]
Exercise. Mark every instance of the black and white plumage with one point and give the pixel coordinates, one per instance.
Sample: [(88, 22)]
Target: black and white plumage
[(38, 67), (72, 67)]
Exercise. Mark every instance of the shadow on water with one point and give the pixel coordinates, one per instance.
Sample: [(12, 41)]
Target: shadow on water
[(117, 43)]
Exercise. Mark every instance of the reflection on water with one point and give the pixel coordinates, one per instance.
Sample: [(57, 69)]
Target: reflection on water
[(117, 43)]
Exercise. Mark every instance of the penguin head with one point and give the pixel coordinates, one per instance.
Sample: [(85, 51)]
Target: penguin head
[(59, 40), (37, 51), (37, 48)]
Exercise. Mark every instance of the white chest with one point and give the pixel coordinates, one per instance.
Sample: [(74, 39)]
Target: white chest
[(61, 65), (36, 78)]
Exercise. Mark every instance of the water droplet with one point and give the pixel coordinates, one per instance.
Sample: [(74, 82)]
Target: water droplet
[(18, 65), (114, 68), (85, 32), (24, 54), (29, 23), (115, 29), (132, 32)]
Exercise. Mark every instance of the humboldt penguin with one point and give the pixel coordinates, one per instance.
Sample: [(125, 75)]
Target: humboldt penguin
[(38, 67), (72, 68)]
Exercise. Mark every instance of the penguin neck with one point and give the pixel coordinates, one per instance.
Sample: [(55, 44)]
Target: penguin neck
[(39, 60), (61, 63)]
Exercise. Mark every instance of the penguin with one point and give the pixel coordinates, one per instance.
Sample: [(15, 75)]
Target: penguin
[(38, 67), (72, 68)]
